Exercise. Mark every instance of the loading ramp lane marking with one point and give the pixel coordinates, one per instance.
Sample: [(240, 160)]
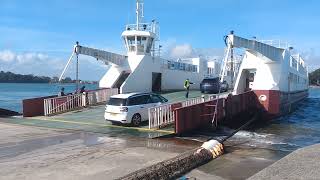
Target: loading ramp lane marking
[(103, 125)]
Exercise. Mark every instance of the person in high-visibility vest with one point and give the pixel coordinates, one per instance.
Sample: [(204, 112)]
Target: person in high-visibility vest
[(187, 86)]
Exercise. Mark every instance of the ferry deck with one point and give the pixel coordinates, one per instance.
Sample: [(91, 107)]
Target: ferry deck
[(91, 119)]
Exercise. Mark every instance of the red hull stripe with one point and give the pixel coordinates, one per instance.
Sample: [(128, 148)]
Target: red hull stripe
[(278, 103)]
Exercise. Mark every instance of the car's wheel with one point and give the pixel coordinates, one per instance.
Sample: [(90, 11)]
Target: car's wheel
[(136, 120)]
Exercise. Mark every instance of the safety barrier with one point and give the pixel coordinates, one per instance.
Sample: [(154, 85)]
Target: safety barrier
[(163, 115), (198, 115), (192, 117), (34, 106), (100, 96), (57, 105), (63, 104)]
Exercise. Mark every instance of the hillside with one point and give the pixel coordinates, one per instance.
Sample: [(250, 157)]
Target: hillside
[(314, 77), (9, 77)]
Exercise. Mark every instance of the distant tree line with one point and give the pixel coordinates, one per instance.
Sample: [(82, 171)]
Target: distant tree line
[(9, 77), (314, 77)]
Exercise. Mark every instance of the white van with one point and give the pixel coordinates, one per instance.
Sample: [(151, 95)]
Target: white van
[(132, 107)]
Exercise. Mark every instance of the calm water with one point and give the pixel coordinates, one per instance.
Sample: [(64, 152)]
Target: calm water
[(12, 94)]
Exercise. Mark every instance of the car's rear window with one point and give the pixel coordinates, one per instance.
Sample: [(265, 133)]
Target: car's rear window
[(215, 80), (142, 99), (117, 102)]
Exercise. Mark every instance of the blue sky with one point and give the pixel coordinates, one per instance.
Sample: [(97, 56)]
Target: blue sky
[(36, 36)]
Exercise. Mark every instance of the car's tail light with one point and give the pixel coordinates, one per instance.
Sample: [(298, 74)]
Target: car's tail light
[(123, 109)]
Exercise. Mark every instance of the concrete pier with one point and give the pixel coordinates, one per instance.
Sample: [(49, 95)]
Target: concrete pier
[(303, 163), (28, 152)]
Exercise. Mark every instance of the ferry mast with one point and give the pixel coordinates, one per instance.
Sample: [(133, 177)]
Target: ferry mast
[(139, 12)]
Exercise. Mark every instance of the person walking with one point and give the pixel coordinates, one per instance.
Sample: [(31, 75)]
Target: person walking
[(187, 86)]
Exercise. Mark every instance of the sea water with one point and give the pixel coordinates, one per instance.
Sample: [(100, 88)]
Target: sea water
[(12, 94), (287, 133)]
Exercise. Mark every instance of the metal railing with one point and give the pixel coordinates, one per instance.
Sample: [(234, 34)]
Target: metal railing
[(62, 104), (149, 27), (163, 115), (100, 96), (58, 105), (276, 43)]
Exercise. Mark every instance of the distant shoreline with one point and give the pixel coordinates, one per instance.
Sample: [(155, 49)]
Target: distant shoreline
[(45, 83), (9, 77)]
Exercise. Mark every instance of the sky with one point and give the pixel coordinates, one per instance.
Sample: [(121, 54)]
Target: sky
[(36, 36)]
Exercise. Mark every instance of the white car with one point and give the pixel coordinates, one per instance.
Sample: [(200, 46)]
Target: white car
[(132, 107)]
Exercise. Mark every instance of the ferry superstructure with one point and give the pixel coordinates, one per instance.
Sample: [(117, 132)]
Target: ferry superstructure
[(278, 77), (142, 69)]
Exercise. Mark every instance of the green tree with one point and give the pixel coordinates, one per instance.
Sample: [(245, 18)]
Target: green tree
[(314, 77)]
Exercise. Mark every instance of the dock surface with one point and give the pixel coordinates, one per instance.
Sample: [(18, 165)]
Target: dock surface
[(40, 153)]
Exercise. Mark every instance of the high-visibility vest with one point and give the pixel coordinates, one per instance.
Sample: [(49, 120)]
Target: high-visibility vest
[(186, 84)]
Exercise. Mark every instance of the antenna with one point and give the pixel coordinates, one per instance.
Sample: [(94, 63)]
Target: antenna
[(139, 12)]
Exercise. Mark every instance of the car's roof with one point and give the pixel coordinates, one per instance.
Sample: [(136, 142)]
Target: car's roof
[(127, 95)]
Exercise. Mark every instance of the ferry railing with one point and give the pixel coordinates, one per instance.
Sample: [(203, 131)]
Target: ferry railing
[(163, 115), (62, 104), (100, 96), (276, 43), (58, 105)]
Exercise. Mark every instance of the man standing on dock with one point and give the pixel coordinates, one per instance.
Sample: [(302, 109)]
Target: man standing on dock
[(187, 86)]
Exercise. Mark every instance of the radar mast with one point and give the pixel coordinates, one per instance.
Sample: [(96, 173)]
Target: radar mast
[(139, 12)]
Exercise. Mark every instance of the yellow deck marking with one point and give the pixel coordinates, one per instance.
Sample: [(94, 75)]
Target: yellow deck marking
[(102, 125)]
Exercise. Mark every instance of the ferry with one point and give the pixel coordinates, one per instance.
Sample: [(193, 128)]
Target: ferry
[(142, 69), (278, 77)]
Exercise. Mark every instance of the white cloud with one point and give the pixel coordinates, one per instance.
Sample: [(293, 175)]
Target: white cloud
[(173, 50), (44, 65), (182, 51), (7, 56)]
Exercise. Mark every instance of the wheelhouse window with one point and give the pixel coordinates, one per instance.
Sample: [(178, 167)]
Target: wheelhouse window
[(141, 43), (131, 43)]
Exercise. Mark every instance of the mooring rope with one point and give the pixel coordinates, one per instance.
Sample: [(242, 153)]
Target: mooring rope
[(185, 162)]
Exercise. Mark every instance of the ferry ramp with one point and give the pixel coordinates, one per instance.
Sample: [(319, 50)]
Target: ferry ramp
[(91, 120)]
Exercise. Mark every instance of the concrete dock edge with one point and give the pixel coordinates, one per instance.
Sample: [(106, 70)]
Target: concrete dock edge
[(303, 163)]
